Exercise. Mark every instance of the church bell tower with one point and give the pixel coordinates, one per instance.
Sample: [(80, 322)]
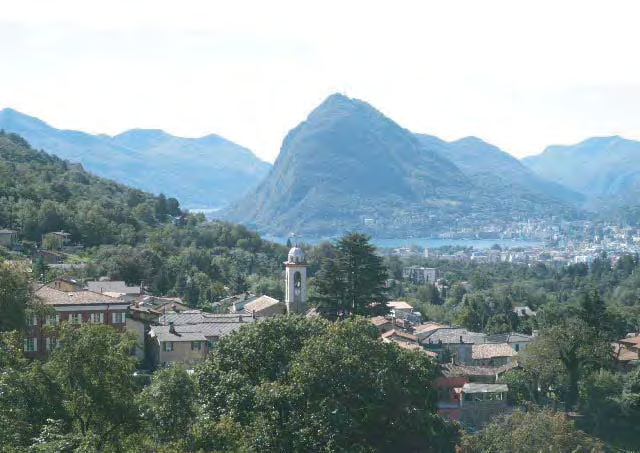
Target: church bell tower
[(296, 281)]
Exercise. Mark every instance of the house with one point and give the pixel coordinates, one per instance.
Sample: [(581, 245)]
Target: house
[(58, 239), (176, 340), (66, 284), (382, 324), (422, 331), (479, 403), (264, 306), (517, 341), (453, 344), (8, 238), (184, 344), (49, 257), (74, 307), (492, 354), (420, 275), (627, 352)]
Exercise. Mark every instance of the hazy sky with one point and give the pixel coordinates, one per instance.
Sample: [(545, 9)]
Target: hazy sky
[(520, 74)]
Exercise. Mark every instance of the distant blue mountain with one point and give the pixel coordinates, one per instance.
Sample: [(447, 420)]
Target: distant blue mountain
[(349, 167), (201, 172), (605, 169), (493, 170)]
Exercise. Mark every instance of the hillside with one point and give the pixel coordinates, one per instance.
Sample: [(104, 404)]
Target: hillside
[(40, 193), (602, 168), (202, 172), (493, 170), (350, 167)]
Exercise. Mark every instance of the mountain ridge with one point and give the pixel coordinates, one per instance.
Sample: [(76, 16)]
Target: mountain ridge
[(347, 164), (216, 171)]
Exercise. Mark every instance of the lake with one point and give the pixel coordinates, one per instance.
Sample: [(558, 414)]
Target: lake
[(430, 243)]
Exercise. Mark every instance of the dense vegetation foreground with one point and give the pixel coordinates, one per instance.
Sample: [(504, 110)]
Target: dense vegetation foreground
[(284, 384)]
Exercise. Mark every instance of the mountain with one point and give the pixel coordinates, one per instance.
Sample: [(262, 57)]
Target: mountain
[(602, 168), (496, 171), (350, 167), (41, 193), (202, 172)]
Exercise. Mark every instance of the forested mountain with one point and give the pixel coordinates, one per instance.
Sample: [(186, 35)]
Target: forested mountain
[(129, 234), (348, 162), (605, 168), (40, 193), (496, 171), (202, 172)]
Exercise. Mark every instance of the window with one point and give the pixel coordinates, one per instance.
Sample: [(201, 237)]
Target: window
[(32, 320), (117, 318), (51, 344), (52, 320), (167, 346), (196, 346), (31, 344), (75, 318), (96, 318), (517, 347)]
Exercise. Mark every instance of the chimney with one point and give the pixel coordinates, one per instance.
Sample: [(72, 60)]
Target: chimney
[(172, 329)]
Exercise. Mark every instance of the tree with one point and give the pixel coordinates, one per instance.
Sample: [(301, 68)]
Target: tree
[(298, 384), (94, 372), (565, 353), (168, 404), (524, 432), (354, 280), (15, 298)]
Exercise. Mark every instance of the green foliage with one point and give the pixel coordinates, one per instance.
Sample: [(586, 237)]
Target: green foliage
[(297, 384), (48, 194), (353, 281), (168, 404), (564, 354), (94, 373), (15, 298), (528, 432)]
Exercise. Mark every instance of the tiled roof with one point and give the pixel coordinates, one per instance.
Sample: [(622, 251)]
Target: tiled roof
[(162, 333), (428, 327), (512, 337), (399, 305), (623, 353), (399, 333), (113, 287), (491, 350), (260, 304), (379, 321), (631, 341), (452, 335), (195, 332), (199, 317), (51, 296)]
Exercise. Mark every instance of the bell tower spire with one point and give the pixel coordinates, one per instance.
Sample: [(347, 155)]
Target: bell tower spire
[(296, 281)]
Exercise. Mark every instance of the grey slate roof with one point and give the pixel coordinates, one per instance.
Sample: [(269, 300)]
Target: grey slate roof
[(112, 287), (512, 337), (453, 335), (199, 317)]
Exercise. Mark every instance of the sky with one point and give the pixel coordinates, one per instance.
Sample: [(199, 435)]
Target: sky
[(520, 74)]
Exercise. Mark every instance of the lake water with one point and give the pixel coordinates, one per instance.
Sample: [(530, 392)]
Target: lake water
[(430, 243)]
